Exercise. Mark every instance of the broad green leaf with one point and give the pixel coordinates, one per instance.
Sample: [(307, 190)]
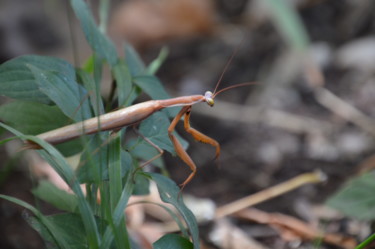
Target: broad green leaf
[(170, 193), (155, 128), (134, 62), (356, 198), (35, 118), (18, 82), (153, 88), (66, 93), (173, 241), (99, 43), (60, 199), (141, 184), (32, 117), (135, 92), (93, 163), (124, 82), (70, 229), (143, 150), (49, 227)]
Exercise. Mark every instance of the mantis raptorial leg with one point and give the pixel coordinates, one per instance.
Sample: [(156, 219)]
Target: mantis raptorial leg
[(185, 111), (200, 137)]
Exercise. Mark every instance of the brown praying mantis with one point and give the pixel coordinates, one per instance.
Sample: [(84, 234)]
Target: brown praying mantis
[(133, 115)]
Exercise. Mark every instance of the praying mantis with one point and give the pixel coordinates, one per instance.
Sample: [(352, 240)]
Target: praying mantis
[(133, 115)]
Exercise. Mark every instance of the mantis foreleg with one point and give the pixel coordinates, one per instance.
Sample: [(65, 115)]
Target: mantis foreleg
[(196, 135)]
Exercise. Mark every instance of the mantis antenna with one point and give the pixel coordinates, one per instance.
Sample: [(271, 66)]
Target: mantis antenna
[(234, 53)]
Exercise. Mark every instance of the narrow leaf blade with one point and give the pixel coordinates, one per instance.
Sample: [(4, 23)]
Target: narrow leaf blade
[(169, 193)]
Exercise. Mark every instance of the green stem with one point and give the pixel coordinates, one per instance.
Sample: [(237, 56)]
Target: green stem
[(103, 15), (366, 242)]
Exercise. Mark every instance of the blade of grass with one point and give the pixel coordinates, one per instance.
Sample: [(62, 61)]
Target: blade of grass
[(123, 79), (366, 242), (115, 188), (103, 15), (58, 162), (99, 43), (53, 231), (170, 193), (156, 64), (289, 24), (118, 214)]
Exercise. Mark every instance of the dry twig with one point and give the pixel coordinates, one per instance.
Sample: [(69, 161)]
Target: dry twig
[(269, 193)]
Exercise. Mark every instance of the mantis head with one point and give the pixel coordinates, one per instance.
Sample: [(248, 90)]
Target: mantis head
[(209, 98)]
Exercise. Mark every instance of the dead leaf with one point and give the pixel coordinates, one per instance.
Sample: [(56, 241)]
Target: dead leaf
[(146, 22)]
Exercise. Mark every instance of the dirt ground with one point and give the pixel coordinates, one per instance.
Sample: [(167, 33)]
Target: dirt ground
[(281, 129)]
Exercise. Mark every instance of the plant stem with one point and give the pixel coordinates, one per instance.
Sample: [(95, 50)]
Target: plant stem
[(103, 15), (366, 242)]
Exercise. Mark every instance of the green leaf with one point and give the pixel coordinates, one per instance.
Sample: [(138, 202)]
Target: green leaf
[(69, 227), (156, 64), (289, 24), (155, 128), (173, 241), (35, 118), (143, 150), (31, 117), (50, 228), (65, 92), (93, 162), (170, 193), (118, 213), (115, 188), (141, 185), (114, 166), (18, 82), (153, 88), (94, 92), (124, 82), (134, 62), (99, 43), (356, 198), (48, 192), (56, 160)]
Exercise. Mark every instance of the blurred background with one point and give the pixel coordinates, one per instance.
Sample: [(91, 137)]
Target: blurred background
[(312, 108)]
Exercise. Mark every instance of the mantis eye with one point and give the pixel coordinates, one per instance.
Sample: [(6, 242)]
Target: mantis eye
[(209, 99)]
